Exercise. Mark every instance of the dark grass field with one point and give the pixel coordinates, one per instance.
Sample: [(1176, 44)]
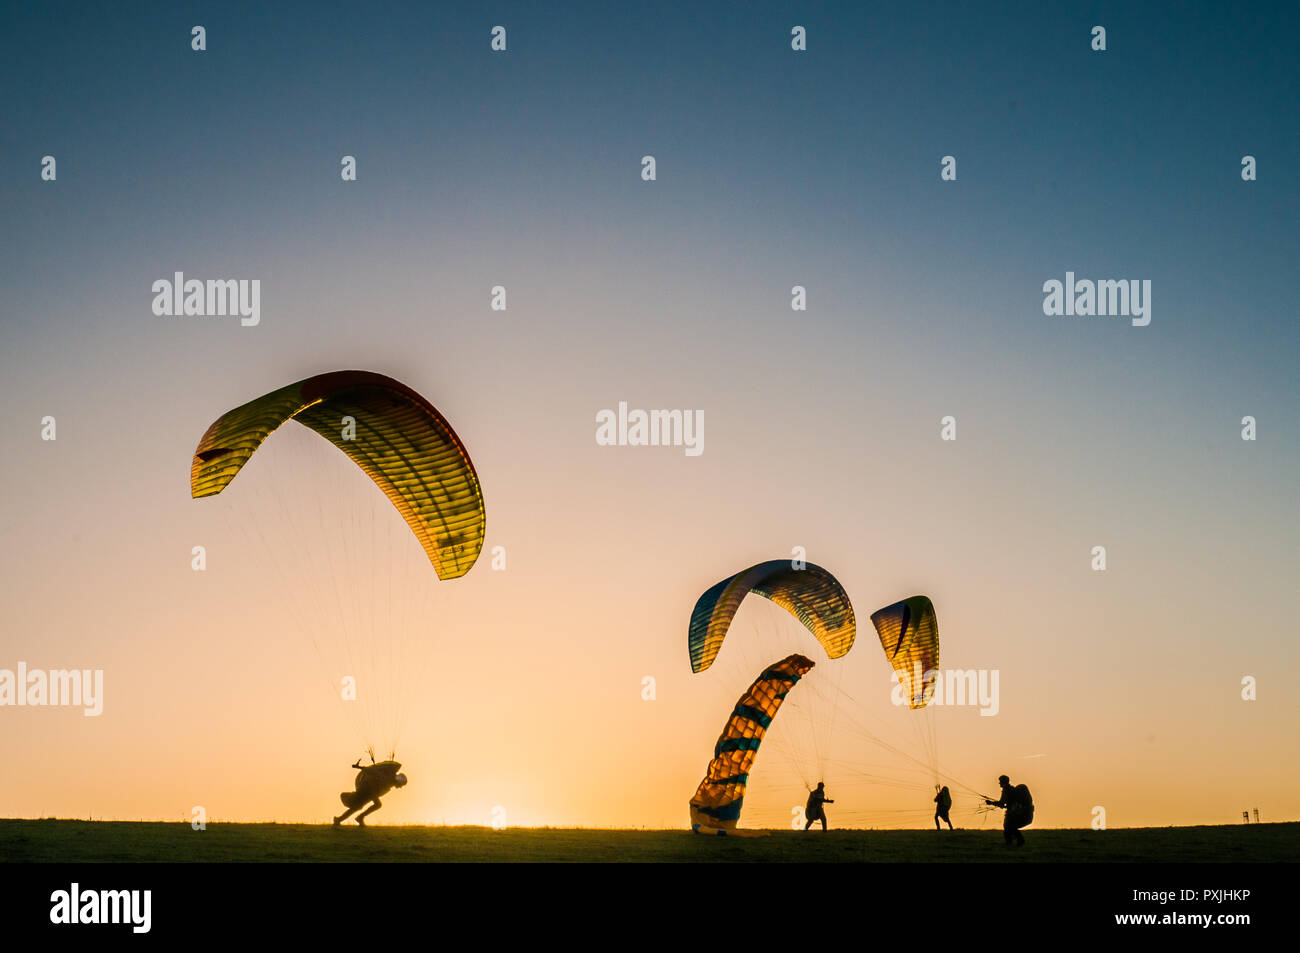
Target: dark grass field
[(128, 841)]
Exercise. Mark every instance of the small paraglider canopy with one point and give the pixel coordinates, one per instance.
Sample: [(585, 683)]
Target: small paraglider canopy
[(909, 635)]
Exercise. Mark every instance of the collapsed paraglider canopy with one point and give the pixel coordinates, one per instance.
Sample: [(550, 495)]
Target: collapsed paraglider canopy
[(715, 808)]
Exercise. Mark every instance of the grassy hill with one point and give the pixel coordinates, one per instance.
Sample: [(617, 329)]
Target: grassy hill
[(131, 841)]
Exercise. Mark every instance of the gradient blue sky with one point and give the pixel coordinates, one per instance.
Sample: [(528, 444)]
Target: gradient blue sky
[(774, 168)]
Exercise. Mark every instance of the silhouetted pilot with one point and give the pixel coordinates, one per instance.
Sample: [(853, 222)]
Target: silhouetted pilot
[(373, 781), (942, 805), (1020, 810), (815, 809)]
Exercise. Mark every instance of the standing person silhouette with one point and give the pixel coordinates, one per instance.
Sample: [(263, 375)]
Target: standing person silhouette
[(815, 809), (1020, 810), (942, 805)]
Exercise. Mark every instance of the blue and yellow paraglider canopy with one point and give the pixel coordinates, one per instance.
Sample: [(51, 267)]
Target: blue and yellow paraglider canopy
[(811, 594)]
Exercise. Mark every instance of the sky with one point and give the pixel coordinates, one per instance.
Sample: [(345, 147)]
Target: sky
[(525, 686)]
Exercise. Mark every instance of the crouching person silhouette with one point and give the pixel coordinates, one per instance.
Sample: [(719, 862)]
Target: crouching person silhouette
[(373, 781)]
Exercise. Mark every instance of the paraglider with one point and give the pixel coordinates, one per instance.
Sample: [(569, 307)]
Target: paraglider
[(373, 781), (406, 447), (909, 638), (815, 808), (942, 805), (1019, 806)]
